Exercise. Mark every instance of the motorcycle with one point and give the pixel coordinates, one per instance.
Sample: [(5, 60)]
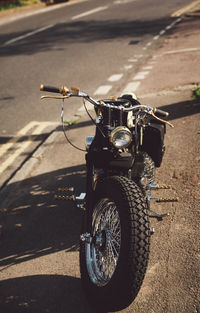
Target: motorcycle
[(120, 160)]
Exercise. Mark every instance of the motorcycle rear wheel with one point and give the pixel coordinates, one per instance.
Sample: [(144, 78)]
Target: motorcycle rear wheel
[(114, 262)]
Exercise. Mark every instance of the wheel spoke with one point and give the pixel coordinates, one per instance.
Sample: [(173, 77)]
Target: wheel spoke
[(104, 252)]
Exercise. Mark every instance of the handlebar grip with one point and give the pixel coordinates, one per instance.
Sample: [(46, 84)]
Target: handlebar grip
[(160, 113), (49, 89)]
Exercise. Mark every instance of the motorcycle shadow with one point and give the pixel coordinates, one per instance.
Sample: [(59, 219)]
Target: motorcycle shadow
[(43, 293), (34, 223), (38, 227)]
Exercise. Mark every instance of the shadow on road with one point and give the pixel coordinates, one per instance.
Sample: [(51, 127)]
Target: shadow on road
[(36, 224), (43, 293), (81, 32), (181, 109)]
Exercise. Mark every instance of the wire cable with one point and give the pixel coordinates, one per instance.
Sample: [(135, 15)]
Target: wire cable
[(63, 126)]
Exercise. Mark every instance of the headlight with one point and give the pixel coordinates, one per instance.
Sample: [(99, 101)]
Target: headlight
[(121, 137)]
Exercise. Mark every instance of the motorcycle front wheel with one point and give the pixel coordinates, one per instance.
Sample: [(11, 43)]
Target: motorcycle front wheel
[(113, 261)]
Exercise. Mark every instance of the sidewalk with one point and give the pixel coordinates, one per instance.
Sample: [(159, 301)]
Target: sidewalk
[(38, 230)]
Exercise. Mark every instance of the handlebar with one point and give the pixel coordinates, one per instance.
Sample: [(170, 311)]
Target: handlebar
[(76, 92), (160, 113), (63, 90)]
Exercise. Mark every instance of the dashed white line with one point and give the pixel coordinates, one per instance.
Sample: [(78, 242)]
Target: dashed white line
[(115, 77), (139, 56), (132, 86), (148, 67), (149, 43), (128, 67), (89, 12), (89, 106), (28, 34), (39, 11), (132, 60), (156, 37), (168, 27), (162, 32), (140, 75), (103, 90)]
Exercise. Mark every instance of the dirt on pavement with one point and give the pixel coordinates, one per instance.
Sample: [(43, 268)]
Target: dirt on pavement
[(39, 266)]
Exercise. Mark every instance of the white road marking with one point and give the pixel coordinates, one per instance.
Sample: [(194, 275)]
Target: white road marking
[(128, 67), (131, 87), (162, 32), (168, 27), (115, 77), (103, 90), (148, 67), (123, 1), (39, 11), (139, 56), (181, 51), (140, 75), (5, 147), (156, 37), (21, 145), (89, 12), (132, 60), (184, 9), (89, 107), (28, 34)]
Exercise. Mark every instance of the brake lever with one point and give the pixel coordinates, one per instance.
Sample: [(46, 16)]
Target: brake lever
[(55, 97), (161, 120)]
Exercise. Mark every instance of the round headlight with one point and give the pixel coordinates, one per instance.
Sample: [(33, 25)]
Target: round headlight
[(121, 137)]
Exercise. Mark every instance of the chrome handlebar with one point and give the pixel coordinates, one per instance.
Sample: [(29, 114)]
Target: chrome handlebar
[(76, 92)]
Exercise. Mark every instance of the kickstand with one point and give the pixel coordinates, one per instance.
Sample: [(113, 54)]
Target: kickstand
[(157, 215)]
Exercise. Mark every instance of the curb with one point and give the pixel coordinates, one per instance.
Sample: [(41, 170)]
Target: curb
[(190, 8)]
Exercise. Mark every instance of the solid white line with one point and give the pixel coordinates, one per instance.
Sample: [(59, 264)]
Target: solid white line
[(23, 145), (140, 75), (103, 90), (21, 133), (181, 51), (115, 77), (28, 34), (131, 87), (89, 12)]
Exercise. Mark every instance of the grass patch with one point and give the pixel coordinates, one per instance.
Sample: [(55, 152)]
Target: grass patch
[(196, 94), (10, 4), (70, 123)]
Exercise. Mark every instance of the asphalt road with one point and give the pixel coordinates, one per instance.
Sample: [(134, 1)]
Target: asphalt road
[(95, 45)]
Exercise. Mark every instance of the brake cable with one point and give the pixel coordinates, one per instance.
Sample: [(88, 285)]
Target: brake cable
[(64, 131)]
